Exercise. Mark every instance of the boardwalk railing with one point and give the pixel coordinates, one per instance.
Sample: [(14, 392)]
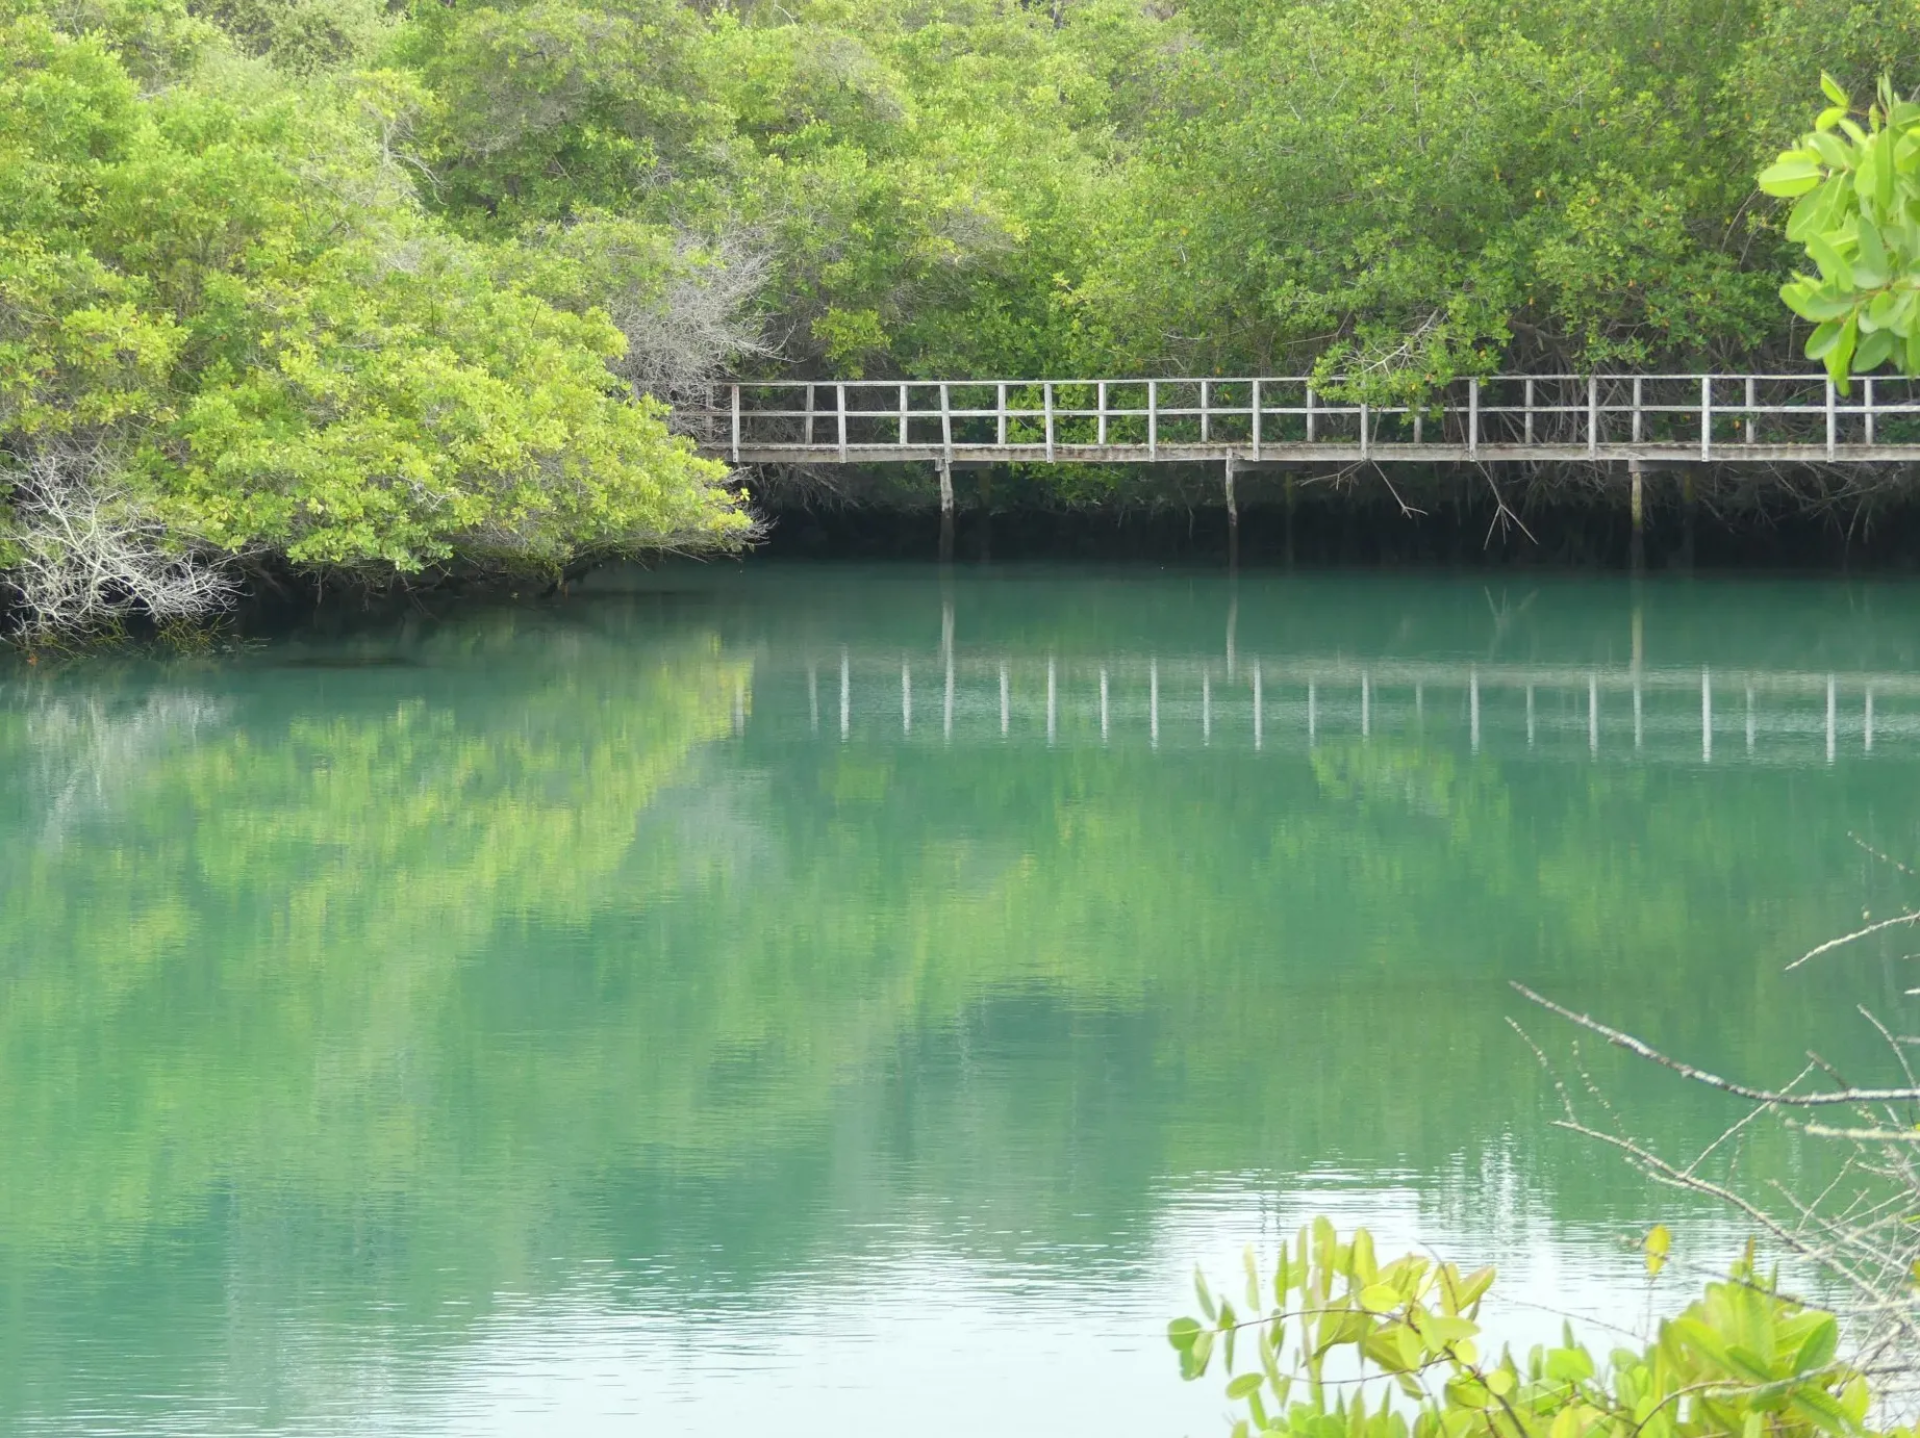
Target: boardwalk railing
[(1565, 418)]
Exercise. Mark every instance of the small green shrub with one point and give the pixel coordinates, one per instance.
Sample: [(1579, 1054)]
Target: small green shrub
[(1743, 1361)]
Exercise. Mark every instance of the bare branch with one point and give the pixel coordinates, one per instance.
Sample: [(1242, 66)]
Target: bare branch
[(1767, 1096)]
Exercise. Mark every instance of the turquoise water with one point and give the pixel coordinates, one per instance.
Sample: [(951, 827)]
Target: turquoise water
[(737, 997)]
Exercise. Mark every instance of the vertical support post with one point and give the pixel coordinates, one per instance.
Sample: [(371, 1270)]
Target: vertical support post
[(1833, 421), (1706, 417), (736, 424), (1529, 404), (1473, 708), (1831, 699), (1637, 508), (1869, 398), (1256, 421), (1100, 403), (809, 439), (1153, 419), (903, 416), (1046, 400), (1006, 700), (1206, 414), (1639, 429), (1366, 430), (1309, 414), (846, 696), (1051, 687), (840, 400), (1000, 415), (946, 422), (1593, 417), (946, 510), (1473, 417), (1233, 519), (1752, 418), (1706, 716), (1153, 701)]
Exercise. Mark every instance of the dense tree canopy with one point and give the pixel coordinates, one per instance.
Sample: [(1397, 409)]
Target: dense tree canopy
[(396, 286)]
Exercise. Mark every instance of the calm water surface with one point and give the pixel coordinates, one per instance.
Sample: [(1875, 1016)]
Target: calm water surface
[(828, 1001)]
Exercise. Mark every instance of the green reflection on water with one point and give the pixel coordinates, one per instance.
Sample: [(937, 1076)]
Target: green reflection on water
[(356, 981)]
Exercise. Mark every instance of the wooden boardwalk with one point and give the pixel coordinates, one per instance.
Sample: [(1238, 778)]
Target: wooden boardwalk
[(1593, 419)]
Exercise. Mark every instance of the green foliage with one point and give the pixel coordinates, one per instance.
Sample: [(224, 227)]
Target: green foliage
[(358, 285), (1856, 193), (230, 286), (1742, 1359)]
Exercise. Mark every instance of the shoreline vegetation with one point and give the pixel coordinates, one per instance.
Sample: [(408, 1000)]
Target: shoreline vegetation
[(350, 293)]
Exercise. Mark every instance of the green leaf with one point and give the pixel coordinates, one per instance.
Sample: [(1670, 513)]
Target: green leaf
[(1840, 357), (1245, 1384), (1205, 1295), (1833, 266), (1658, 1244), (1792, 174), (1818, 1349), (1830, 87), (1870, 262), (1875, 350), (1833, 151), (1181, 1333)]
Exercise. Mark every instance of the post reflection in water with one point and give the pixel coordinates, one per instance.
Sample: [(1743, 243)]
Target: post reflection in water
[(541, 1019)]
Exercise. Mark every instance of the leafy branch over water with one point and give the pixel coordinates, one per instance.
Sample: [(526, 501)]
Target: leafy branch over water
[(1403, 1341)]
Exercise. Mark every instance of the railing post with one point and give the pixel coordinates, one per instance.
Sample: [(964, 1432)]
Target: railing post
[(736, 424), (1153, 419), (1833, 421), (1638, 395), (1046, 391), (1205, 425), (1309, 414), (1528, 400), (1869, 398), (809, 414), (903, 416), (1256, 421), (1473, 417), (1752, 418), (1593, 416), (1000, 415), (840, 398), (1706, 416), (1366, 424), (1100, 403), (946, 422)]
